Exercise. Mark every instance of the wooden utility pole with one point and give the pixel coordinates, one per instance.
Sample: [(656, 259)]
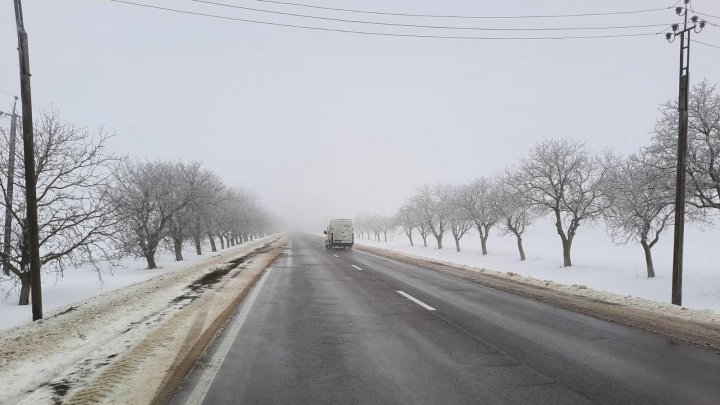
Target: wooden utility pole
[(7, 234), (33, 239), (680, 179)]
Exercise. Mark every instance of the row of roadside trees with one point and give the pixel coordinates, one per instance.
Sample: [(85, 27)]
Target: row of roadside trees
[(563, 179), (95, 207)]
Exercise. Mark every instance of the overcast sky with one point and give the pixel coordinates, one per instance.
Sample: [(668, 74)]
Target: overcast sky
[(325, 124)]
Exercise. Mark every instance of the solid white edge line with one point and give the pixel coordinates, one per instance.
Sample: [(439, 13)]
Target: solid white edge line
[(356, 267), (415, 300), (197, 396)]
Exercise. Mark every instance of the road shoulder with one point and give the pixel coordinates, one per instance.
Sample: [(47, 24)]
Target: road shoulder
[(675, 326), (134, 344)]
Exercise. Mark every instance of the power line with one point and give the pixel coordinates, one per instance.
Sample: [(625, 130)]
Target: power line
[(706, 44), (705, 14), (277, 24), (422, 25), (9, 94), (712, 23), (348, 10)]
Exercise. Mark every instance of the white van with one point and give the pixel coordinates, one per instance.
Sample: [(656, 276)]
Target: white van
[(339, 233)]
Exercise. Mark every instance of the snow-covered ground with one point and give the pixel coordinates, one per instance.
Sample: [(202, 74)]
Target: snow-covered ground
[(82, 283), (597, 262), (118, 343)]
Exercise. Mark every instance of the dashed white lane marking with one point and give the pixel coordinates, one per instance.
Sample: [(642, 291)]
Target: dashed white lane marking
[(335, 255), (356, 267), (417, 301), (208, 376)]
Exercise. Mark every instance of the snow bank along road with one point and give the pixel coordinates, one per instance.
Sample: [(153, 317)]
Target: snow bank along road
[(339, 326), (133, 345)]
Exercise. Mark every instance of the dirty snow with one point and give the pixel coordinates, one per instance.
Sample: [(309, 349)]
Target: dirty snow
[(59, 293), (106, 324)]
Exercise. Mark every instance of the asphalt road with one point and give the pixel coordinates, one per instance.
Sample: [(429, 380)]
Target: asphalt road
[(332, 326)]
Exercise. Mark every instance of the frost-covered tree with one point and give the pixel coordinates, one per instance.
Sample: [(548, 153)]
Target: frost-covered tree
[(641, 198), (241, 217), (147, 195), (516, 213), (189, 181), (203, 209), (480, 204), (703, 159), (388, 225), (417, 212), (376, 225), (190, 223), (432, 204), (405, 218), (563, 178), (76, 223), (458, 219)]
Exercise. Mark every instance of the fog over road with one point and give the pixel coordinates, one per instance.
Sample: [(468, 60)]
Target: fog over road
[(339, 326)]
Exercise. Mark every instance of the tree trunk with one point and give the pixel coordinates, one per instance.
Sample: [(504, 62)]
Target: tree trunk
[(177, 246), (24, 288), (409, 235), (566, 240), (385, 233), (150, 258), (439, 241), (457, 244), (648, 260), (520, 247), (212, 242), (231, 241), (567, 243), (424, 240), (222, 242), (227, 241), (198, 248), (483, 243)]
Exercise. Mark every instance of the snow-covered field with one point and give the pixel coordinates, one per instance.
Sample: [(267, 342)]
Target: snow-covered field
[(597, 262), (82, 283)]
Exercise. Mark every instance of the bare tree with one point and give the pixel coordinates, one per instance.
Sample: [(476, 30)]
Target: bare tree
[(388, 225), (376, 225), (147, 196), (516, 213), (563, 178), (240, 217), (481, 206), (459, 222), (432, 206), (76, 223), (417, 212), (201, 211), (211, 218), (703, 160), (199, 187), (641, 200), (186, 192), (405, 218)]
